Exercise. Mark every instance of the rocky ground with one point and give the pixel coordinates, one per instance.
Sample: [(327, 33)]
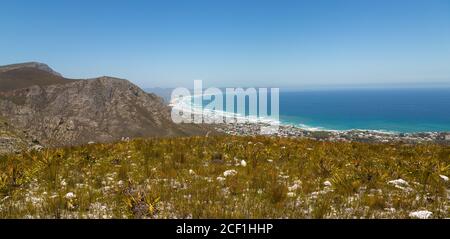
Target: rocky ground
[(12, 140)]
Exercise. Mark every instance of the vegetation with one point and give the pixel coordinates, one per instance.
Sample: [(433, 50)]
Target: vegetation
[(11, 139), (227, 177)]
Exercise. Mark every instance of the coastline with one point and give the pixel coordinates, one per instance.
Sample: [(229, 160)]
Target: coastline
[(252, 127), (365, 136)]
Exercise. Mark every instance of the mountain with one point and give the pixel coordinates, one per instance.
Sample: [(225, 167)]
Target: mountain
[(24, 75), (71, 112), (12, 139), (35, 65), (165, 93)]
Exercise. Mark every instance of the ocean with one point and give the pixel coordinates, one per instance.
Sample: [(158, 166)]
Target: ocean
[(393, 110), (389, 110)]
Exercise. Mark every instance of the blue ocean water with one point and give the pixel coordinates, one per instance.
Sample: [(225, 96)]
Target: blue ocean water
[(390, 110), (396, 110)]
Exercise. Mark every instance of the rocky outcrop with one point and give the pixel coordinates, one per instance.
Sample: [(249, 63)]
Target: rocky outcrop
[(100, 110), (11, 139)]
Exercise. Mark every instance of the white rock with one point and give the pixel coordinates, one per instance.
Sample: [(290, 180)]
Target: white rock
[(220, 179), (243, 163), (445, 178), (230, 172), (399, 182), (421, 214), (291, 194), (70, 195), (293, 187), (327, 184), (191, 172)]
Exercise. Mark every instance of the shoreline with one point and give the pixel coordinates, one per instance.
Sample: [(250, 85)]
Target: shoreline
[(252, 125), (366, 136)]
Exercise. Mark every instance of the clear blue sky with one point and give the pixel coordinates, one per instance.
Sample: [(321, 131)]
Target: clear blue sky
[(233, 43)]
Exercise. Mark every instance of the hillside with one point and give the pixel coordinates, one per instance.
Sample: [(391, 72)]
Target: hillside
[(228, 177), (19, 76), (34, 65), (61, 112), (12, 139)]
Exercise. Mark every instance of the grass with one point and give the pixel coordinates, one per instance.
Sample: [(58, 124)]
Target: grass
[(180, 178)]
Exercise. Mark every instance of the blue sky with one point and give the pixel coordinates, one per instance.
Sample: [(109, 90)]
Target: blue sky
[(234, 43)]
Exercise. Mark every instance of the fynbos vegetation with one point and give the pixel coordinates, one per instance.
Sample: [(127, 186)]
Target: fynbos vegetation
[(227, 177)]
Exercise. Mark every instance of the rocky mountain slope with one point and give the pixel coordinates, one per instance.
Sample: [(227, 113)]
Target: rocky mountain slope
[(33, 65), (12, 139), (72, 112), (24, 75)]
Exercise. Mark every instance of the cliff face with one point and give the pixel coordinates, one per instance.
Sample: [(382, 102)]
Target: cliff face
[(77, 112)]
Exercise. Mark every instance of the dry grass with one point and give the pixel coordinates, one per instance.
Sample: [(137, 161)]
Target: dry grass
[(184, 178)]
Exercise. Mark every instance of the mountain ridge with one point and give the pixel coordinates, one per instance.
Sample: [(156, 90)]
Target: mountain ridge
[(32, 64), (19, 76), (102, 109)]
